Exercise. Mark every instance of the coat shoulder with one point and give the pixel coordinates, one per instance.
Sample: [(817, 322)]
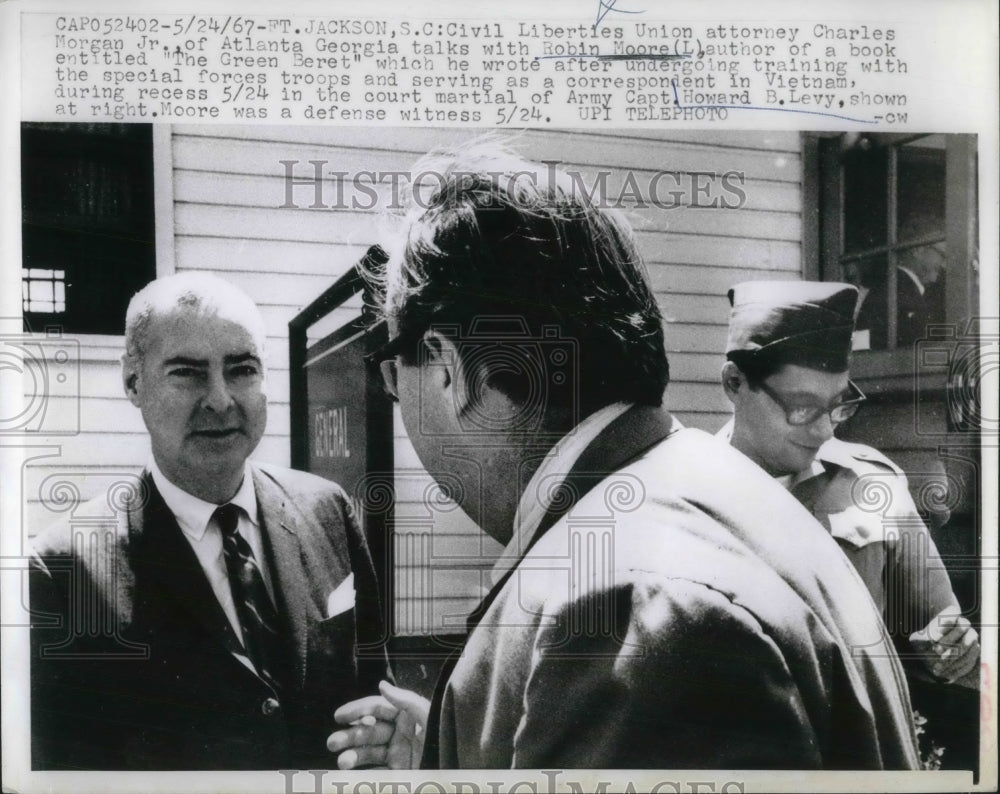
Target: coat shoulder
[(100, 519), (299, 484), (317, 508), (859, 458)]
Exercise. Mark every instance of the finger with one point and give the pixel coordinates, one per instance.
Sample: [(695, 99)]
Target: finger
[(362, 756), (956, 662), (360, 735), (941, 624), (969, 668), (956, 669), (405, 749), (417, 706), (957, 646), (968, 664), (970, 641), (373, 705), (954, 632)]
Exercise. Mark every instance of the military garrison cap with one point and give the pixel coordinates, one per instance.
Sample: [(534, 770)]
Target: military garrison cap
[(809, 318)]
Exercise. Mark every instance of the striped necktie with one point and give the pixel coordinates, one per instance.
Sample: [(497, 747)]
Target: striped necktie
[(258, 617)]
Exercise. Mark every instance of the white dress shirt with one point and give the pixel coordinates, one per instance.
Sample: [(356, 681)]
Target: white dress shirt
[(194, 517)]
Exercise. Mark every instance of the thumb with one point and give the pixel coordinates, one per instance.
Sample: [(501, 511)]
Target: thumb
[(417, 706)]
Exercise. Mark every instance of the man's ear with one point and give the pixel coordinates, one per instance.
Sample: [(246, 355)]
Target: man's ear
[(441, 356), (732, 380), (130, 378)]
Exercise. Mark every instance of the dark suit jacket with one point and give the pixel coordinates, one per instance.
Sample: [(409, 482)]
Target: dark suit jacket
[(914, 312), (133, 663), (685, 613)]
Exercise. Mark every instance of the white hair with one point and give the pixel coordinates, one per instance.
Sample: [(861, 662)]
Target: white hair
[(195, 291)]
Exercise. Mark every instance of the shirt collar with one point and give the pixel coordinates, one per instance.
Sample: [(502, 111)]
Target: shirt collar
[(913, 277), (814, 469), (192, 513), (536, 499)]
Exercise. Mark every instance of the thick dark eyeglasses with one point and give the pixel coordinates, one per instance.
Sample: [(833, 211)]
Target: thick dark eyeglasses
[(840, 411)]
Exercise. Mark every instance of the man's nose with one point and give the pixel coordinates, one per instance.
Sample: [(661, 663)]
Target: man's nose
[(217, 395), (822, 428)]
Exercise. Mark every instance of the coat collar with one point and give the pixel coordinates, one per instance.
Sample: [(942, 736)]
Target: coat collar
[(290, 584), (623, 440), (165, 562), (166, 559)]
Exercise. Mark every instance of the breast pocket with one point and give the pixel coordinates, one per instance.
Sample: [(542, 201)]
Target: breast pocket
[(331, 649)]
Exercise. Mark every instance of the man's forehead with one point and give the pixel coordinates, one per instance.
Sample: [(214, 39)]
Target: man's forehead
[(201, 334), (793, 379)]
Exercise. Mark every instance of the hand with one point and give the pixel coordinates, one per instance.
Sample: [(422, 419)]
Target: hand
[(950, 645), (386, 730)]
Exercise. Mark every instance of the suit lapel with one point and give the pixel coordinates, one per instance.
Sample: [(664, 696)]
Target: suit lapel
[(168, 563), (291, 585)]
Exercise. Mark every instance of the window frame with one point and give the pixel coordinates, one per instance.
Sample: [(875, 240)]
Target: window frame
[(95, 345), (823, 244)]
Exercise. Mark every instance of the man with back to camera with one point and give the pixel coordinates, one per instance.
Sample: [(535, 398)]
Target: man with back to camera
[(788, 351), (642, 614), (209, 619)]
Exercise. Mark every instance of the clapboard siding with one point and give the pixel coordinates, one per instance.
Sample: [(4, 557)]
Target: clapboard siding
[(417, 140), (655, 229), (219, 150), (259, 190), (228, 189)]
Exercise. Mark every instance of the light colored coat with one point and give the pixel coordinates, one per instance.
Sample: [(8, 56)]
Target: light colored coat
[(687, 612)]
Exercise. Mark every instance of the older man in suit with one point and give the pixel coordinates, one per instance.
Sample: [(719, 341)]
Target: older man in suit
[(661, 602), (215, 620)]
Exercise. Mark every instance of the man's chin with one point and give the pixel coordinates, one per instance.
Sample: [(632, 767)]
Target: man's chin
[(218, 452), (803, 458)]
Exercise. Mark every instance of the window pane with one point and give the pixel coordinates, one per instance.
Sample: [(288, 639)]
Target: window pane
[(921, 189), (920, 290), (866, 170), (40, 290), (87, 221), (870, 276)]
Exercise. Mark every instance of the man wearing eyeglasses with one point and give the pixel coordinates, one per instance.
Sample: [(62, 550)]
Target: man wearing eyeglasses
[(646, 611), (788, 354)]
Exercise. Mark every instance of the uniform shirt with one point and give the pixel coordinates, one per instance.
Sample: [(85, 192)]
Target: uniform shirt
[(863, 499)]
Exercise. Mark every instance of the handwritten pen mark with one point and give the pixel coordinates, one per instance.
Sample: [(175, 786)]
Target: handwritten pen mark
[(604, 7), (600, 57), (677, 101)]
